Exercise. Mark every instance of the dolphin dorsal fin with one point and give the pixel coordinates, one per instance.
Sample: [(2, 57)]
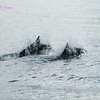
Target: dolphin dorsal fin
[(67, 45), (38, 40)]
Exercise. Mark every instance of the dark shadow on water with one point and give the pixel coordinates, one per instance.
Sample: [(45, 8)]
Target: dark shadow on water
[(12, 81)]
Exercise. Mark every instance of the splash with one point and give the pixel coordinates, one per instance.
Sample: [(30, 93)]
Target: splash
[(38, 48)]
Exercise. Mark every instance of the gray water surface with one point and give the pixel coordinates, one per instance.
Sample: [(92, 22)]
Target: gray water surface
[(35, 78)]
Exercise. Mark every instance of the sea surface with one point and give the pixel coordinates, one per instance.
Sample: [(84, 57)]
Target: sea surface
[(57, 22)]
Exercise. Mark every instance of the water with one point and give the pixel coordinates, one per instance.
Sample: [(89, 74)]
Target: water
[(57, 22)]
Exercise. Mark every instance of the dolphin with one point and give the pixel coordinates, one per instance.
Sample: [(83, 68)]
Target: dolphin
[(35, 48), (70, 52)]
